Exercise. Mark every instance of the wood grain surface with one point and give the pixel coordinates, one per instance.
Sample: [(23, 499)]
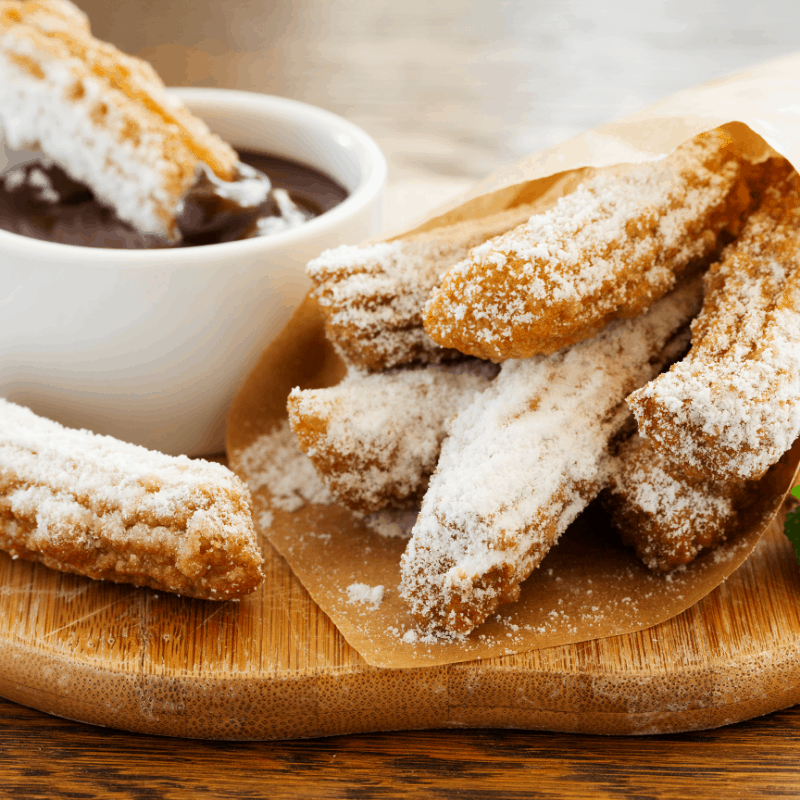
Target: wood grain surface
[(42, 757)]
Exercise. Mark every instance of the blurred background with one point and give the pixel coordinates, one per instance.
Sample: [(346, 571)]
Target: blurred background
[(449, 90)]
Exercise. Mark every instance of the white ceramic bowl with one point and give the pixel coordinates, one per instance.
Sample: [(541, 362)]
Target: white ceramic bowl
[(151, 346)]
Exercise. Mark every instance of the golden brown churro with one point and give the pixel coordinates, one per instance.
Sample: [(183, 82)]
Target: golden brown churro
[(608, 250), (99, 507), (372, 296), (563, 301), (375, 439), (104, 116), (731, 408), (522, 461), (668, 518)]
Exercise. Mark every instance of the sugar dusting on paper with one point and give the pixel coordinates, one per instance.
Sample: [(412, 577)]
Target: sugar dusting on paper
[(391, 524), (364, 593), (275, 462)]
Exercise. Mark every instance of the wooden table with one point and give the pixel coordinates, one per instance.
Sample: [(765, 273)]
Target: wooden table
[(44, 757), (450, 92)]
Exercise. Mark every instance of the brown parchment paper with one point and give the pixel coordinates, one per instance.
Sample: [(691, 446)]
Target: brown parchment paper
[(589, 586)]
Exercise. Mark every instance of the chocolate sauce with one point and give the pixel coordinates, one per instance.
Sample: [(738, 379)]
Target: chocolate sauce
[(38, 199)]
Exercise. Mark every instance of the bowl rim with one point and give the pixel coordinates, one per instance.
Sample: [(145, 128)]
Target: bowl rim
[(17, 245)]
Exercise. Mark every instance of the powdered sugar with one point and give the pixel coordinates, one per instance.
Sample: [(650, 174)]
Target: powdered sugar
[(135, 153), (275, 462), (608, 249), (364, 593), (392, 523), (373, 295), (375, 438), (730, 409), (108, 509), (36, 179), (522, 461), (666, 516)]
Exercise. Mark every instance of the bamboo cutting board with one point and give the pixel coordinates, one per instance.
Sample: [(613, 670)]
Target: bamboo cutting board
[(273, 666)]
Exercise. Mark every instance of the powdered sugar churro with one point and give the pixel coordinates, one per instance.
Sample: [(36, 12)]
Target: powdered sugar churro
[(522, 461), (731, 408), (668, 518), (373, 296), (99, 507), (103, 116), (375, 439), (608, 250)]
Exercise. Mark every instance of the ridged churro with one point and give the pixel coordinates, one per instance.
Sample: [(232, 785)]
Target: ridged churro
[(104, 116), (667, 517), (523, 460), (372, 296), (731, 408), (95, 506), (607, 250), (375, 439)]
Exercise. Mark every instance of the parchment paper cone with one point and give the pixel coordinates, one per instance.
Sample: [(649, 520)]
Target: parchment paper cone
[(589, 586)]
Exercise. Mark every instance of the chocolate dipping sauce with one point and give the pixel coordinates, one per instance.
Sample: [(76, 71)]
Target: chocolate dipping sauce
[(40, 200)]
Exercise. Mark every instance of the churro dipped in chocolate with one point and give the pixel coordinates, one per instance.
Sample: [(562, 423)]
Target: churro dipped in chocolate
[(103, 116), (608, 250), (373, 296), (375, 439), (667, 517), (731, 408), (95, 506), (523, 460)]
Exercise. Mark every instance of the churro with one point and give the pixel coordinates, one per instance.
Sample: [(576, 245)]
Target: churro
[(372, 296), (104, 116), (731, 408), (523, 460), (375, 439), (607, 250), (667, 517), (93, 505)]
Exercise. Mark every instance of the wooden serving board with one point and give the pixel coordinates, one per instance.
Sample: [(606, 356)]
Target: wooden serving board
[(274, 666)]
